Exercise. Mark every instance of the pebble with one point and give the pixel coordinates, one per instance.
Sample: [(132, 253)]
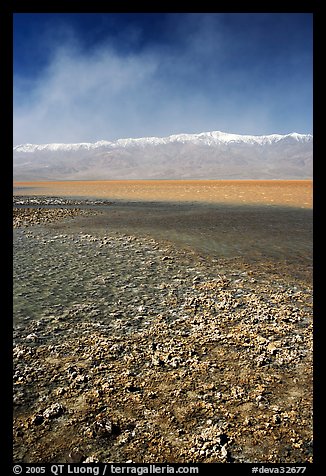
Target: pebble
[(54, 411), (92, 459), (76, 456), (32, 337)]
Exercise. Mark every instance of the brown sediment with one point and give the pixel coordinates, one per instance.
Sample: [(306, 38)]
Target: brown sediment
[(296, 193)]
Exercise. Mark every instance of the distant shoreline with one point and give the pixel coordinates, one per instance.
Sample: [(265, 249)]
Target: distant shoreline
[(166, 180)]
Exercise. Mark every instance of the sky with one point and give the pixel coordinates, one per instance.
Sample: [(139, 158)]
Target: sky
[(89, 77)]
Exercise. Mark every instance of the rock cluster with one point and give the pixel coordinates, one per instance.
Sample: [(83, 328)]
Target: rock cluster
[(132, 349), (35, 216), (55, 201)]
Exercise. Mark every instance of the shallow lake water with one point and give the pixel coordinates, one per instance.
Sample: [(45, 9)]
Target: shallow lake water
[(45, 268), (250, 232), (214, 284), (46, 265)]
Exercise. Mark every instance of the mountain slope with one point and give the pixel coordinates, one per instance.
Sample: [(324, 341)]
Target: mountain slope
[(208, 155)]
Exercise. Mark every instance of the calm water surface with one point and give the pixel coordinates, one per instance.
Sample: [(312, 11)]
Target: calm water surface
[(51, 273)]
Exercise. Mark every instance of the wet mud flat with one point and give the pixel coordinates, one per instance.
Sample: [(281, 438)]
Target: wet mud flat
[(136, 341)]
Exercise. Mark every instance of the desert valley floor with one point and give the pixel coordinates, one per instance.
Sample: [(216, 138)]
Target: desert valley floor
[(163, 321)]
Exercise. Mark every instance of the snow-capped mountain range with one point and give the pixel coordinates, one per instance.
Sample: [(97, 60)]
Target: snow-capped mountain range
[(208, 155)]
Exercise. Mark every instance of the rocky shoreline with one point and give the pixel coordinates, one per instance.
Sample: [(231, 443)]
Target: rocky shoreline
[(35, 216), (150, 352), (19, 200), (35, 210)]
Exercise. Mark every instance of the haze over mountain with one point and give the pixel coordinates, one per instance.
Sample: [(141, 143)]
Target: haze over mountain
[(208, 155)]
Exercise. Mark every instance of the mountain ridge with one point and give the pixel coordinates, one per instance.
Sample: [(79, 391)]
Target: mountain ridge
[(203, 137), (207, 155)]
